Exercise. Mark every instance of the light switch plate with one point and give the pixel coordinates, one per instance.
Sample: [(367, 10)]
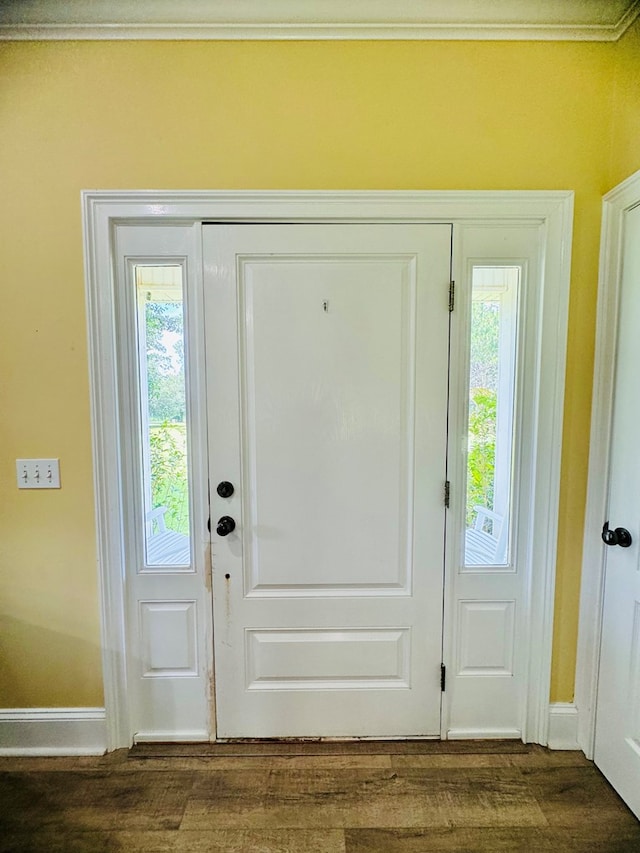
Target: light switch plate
[(38, 473)]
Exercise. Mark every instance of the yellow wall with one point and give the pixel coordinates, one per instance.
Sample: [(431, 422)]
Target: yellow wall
[(399, 115), (625, 148)]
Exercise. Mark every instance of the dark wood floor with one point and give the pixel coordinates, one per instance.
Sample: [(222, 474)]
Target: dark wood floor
[(496, 800)]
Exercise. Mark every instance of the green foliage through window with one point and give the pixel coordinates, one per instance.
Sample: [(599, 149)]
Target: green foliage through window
[(483, 384), (169, 488), (481, 459), (165, 361)]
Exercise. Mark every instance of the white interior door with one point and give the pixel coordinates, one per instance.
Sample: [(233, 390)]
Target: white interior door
[(327, 372), (617, 751)]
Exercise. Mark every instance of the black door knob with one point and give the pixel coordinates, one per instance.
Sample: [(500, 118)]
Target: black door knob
[(226, 525), (620, 536), (225, 489)]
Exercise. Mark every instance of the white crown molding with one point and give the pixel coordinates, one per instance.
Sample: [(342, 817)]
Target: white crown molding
[(524, 20)]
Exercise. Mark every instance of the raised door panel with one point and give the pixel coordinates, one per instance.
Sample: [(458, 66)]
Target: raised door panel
[(327, 437)]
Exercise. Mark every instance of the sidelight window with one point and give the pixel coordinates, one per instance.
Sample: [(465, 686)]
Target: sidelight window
[(164, 441), (492, 370)]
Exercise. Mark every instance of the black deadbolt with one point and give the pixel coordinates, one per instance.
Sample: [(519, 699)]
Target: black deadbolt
[(225, 489), (226, 525), (620, 536)]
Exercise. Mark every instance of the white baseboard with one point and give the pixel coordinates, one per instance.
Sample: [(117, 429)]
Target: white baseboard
[(53, 731), (82, 731), (188, 736), (484, 734), (563, 726)]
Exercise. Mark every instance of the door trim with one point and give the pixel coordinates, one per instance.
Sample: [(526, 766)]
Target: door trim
[(615, 205), (102, 209)]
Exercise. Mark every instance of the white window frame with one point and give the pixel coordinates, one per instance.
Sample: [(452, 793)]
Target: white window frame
[(553, 211)]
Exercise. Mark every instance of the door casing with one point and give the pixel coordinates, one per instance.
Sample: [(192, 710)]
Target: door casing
[(551, 211)]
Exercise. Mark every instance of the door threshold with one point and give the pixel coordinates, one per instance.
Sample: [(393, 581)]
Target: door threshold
[(274, 748), (345, 739)]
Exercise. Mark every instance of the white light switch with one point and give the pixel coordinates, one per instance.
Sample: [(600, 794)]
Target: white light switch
[(38, 473)]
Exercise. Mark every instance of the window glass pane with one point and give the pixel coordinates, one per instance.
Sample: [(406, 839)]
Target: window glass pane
[(491, 408), (160, 320)]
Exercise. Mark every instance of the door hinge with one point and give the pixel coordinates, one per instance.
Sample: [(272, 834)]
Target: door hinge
[(452, 295), (447, 493), (443, 677)]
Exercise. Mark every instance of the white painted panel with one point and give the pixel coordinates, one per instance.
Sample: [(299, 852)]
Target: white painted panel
[(168, 633), (344, 659), (327, 348), (486, 637)]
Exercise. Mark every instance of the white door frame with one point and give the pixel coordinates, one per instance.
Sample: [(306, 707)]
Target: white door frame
[(553, 211), (615, 204)]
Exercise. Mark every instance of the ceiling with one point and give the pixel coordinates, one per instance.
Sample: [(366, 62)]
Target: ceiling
[(572, 20)]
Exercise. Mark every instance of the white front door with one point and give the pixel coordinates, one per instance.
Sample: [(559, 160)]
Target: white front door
[(327, 372), (617, 751)]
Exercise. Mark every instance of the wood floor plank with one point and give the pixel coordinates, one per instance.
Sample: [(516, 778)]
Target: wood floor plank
[(175, 841), (94, 800), (56, 841), (261, 841), (487, 840), (540, 757), (490, 840), (358, 797), (571, 796), (449, 762)]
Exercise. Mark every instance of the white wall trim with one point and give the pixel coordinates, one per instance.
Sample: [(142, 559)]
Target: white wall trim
[(553, 210), (571, 20), (307, 32), (552, 207), (545, 486), (106, 461), (484, 734), (614, 207), (563, 726), (187, 736), (52, 731)]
